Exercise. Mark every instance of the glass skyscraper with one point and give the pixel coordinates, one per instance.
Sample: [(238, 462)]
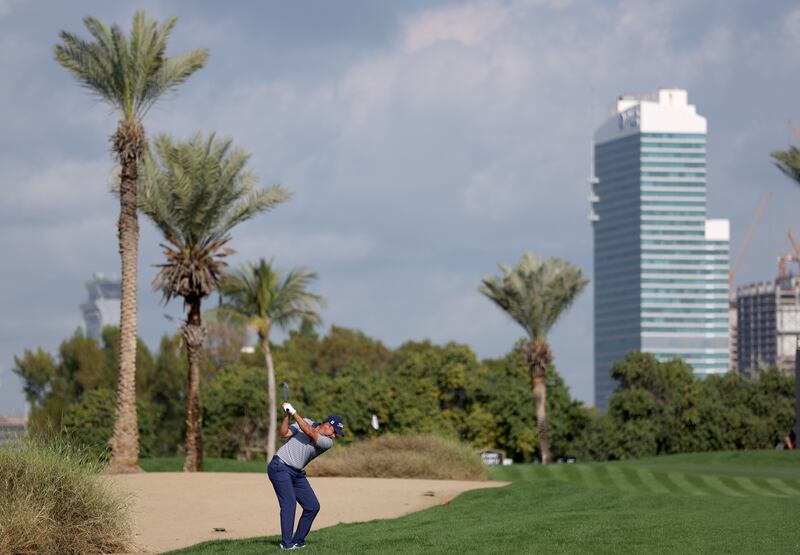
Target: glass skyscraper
[(660, 267)]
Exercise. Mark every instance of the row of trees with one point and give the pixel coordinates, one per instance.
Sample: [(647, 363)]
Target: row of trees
[(659, 408)]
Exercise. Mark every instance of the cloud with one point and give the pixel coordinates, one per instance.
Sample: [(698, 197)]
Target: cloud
[(298, 248), (466, 25), (68, 186)]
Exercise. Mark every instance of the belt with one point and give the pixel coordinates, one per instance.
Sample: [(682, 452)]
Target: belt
[(280, 460)]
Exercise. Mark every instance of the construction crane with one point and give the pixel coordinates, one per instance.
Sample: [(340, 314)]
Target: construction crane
[(788, 257), (794, 243), (795, 131), (747, 238)]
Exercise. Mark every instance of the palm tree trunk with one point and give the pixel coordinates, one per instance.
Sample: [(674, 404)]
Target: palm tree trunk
[(128, 143), (272, 408), (538, 357), (193, 335)]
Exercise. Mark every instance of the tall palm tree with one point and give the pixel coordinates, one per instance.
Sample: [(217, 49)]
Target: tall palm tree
[(265, 297), (534, 293), (129, 73), (196, 192)]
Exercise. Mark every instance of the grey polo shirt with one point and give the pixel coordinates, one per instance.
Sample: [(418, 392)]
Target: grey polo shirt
[(300, 449)]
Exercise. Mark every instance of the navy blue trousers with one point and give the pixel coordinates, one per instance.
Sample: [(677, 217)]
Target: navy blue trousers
[(292, 487)]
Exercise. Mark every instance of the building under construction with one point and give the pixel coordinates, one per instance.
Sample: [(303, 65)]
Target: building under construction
[(768, 324)]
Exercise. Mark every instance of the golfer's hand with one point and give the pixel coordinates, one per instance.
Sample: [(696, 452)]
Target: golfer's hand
[(289, 408)]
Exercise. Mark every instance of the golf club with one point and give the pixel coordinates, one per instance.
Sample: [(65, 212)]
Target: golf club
[(285, 392)]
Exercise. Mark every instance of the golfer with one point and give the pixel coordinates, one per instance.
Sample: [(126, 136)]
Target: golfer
[(306, 440)]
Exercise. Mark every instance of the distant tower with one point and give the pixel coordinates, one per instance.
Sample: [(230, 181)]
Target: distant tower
[(660, 267), (102, 308)]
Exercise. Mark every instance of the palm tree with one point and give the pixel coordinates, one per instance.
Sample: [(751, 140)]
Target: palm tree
[(264, 297), (129, 73), (195, 193), (788, 161), (534, 293)]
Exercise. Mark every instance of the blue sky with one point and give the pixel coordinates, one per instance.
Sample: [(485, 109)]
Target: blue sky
[(424, 141)]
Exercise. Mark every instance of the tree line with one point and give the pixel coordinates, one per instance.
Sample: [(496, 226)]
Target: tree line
[(418, 387)]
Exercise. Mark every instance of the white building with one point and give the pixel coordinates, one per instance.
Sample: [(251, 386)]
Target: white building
[(102, 308), (660, 267)]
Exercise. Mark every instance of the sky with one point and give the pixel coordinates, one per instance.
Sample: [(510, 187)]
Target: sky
[(424, 142)]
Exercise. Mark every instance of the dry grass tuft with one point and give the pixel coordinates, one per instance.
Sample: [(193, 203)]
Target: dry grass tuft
[(402, 456), (53, 500)]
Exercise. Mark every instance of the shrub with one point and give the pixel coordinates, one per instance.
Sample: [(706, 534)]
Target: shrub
[(402, 456), (53, 500)]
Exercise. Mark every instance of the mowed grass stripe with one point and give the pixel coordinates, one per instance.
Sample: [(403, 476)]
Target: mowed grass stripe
[(772, 485), (730, 482), (588, 475), (664, 480), (679, 479), (716, 484), (555, 472), (650, 481), (697, 481), (620, 480), (603, 478), (572, 473), (789, 487), (748, 485)]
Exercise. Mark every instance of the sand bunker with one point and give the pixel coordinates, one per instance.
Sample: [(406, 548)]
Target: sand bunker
[(173, 510)]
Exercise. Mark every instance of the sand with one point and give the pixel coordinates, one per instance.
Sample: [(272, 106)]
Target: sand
[(174, 510)]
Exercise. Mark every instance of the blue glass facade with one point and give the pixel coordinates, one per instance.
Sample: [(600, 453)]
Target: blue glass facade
[(660, 280)]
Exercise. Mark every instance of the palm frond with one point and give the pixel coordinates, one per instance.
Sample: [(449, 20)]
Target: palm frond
[(129, 72), (535, 293), (191, 191), (788, 161), (268, 297)]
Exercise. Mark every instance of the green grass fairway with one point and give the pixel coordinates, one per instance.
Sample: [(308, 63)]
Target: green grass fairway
[(742, 502), (210, 464)]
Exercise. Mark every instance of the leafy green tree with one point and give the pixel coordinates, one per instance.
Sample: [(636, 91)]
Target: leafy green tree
[(195, 193), (130, 73), (90, 421), (661, 408), (498, 413), (83, 364), (163, 392), (264, 297), (233, 412), (535, 293)]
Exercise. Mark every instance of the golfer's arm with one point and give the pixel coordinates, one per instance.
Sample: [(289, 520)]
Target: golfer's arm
[(284, 430), (306, 427)]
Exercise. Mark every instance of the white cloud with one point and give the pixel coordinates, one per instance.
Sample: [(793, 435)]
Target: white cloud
[(791, 28), (467, 25), (66, 185)]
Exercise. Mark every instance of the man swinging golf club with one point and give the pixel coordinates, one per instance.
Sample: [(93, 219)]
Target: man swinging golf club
[(306, 440)]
